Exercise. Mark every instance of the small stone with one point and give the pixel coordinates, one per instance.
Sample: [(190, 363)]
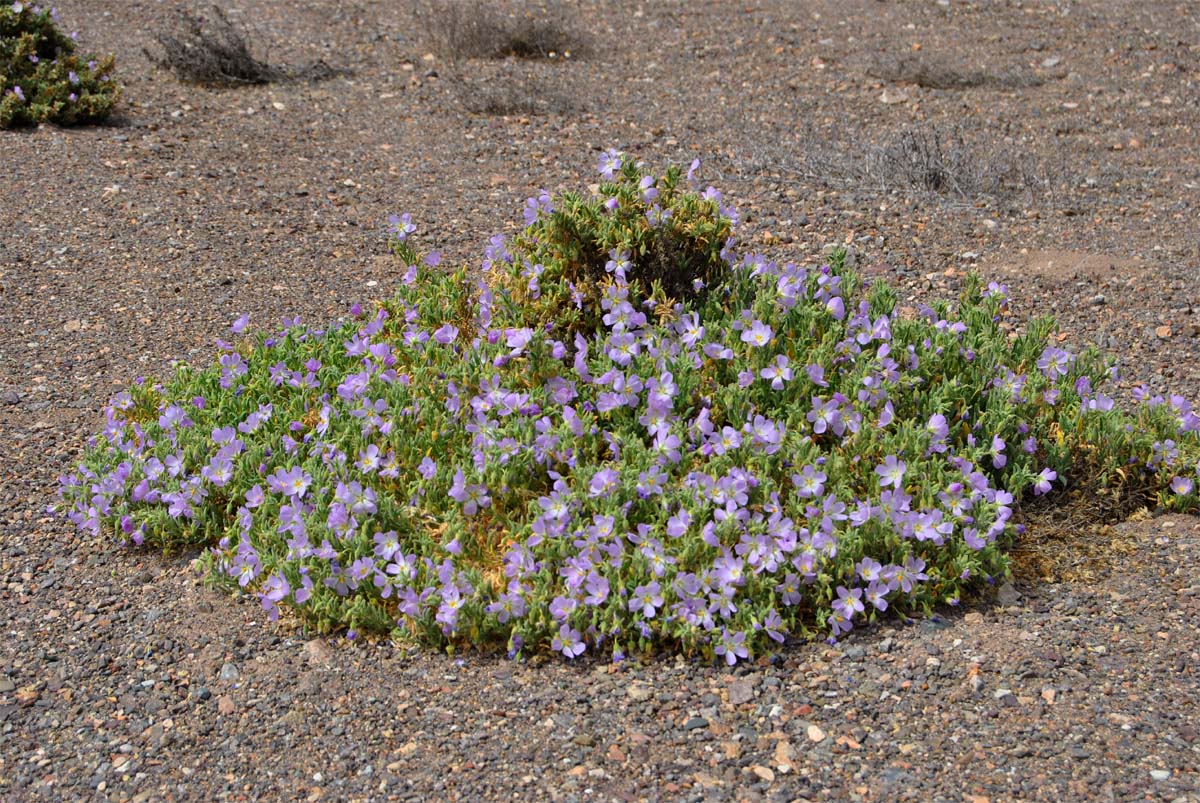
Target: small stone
[(639, 692), (855, 652), (317, 652), (973, 618), (885, 646), (1007, 596), (10, 397), (6, 685), (1163, 332), (741, 692), (1160, 775), (695, 723), (815, 734), (784, 756), (229, 672), (892, 97), (615, 753), (203, 693), (584, 740), (764, 773), (73, 325), (225, 705), (1020, 751), (1051, 62), (1049, 694)]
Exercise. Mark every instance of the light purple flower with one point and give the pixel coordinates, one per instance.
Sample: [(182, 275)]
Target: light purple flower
[(1181, 485), (647, 599), (569, 642), (777, 373), (891, 471), (401, 226), (604, 482), (731, 646), (758, 334), (610, 163), (1042, 483)]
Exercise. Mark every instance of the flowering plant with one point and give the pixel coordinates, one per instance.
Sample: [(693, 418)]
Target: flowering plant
[(774, 450), (41, 77)]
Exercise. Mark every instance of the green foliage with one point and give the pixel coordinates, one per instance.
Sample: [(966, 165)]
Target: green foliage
[(786, 453), (41, 77), (666, 240)]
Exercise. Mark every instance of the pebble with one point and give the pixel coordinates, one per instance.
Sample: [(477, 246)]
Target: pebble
[(815, 734), (1008, 596), (740, 692), (1160, 775), (229, 672), (318, 652), (695, 723), (639, 692)]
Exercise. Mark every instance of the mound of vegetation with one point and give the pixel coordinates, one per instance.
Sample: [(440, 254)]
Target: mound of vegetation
[(622, 437), (42, 79)]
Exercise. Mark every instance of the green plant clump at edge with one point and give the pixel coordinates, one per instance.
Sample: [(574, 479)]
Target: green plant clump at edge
[(42, 79)]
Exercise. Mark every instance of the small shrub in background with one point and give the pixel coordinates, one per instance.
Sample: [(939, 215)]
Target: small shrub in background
[(710, 466), (472, 29), (41, 77), (215, 52)]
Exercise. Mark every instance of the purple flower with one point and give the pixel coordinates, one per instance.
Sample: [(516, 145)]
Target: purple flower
[(937, 427), (471, 497), (446, 334), (292, 482), (1054, 362), (849, 601), (610, 163), (561, 607), (997, 452), (758, 334), (810, 482), (428, 468), (569, 642), (647, 599), (402, 226), (16, 90), (597, 589), (604, 482), (1181, 485), (731, 646), (777, 373), (891, 471), (816, 375), (1042, 482)]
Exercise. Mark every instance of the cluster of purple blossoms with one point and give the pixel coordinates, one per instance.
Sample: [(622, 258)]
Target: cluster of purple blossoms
[(676, 481)]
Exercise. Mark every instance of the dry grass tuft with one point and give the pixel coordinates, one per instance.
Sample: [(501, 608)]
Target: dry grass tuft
[(945, 163), (472, 29), (936, 73), (214, 52)]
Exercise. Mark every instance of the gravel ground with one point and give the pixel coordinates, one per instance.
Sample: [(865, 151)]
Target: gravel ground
[(125, 246)]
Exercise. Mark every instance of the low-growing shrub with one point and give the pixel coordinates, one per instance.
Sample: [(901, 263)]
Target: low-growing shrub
[(42, 79), (785, 453), (470, 29), (214, 52)]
